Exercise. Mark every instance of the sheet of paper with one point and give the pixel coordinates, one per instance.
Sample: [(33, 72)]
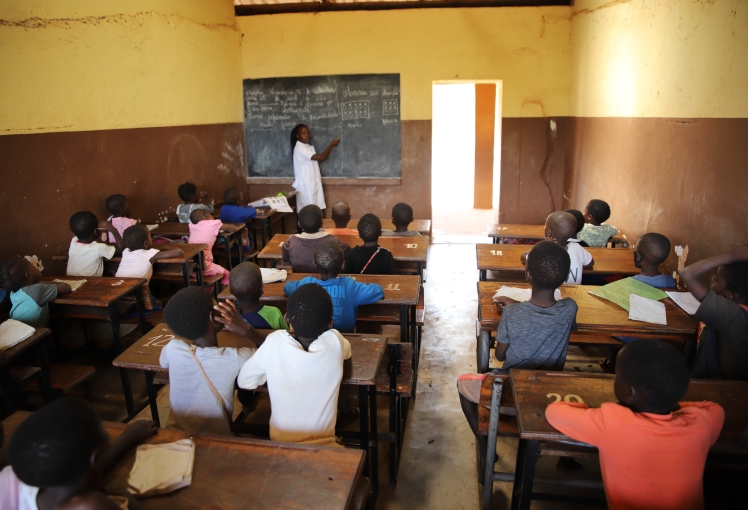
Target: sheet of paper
[(162, 468), (647, 310), (13, 332), (685, 300), (152, 227), (74, 284), (280, 204), (619, 292), (270, 275), (520, 294)]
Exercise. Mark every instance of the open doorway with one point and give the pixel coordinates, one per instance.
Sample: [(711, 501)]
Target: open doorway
[(465, 158)]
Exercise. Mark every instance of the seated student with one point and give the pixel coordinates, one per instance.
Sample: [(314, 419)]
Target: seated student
[(369, 258), (86, 254), (533, 334), (299, 249), (652, 449), (303, 373), (141, 253), (402, 216), (341, 215), (579, 216), (28, 296), (192, 201), (595, 233), (650, 251), (60, 453), (204, 230), (201, 374), (120, 219), (723, 345), (245, 283), (232, 210), (347, 294)]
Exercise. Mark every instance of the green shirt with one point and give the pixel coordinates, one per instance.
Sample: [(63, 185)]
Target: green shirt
[(596, 236)]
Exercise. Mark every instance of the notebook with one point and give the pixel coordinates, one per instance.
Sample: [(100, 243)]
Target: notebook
[(162, 468), (13, 332)]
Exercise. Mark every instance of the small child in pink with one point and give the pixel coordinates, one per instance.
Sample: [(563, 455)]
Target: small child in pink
[(204, 230), (120, 218)]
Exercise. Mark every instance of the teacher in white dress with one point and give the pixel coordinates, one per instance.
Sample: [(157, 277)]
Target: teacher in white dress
[(308, 181)]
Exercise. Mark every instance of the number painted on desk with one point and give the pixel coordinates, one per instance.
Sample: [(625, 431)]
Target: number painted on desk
[(567, 398), (392, 286), (118, 283), (411, 246), (159, 340), (496, 252), (280, 244)]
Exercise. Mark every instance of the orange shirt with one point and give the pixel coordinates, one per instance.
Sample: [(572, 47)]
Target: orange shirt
[(653, 461), (342, 231)]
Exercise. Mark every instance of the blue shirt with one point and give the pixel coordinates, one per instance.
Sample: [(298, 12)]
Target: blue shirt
[(237, 213), (347, 295), (661, 281), (30, 304)]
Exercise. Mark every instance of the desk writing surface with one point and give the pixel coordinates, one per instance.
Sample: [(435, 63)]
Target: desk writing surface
[(536, 232), (98, 291), (595, 314), (413, 249), (12, 352), (233, 472), (421, 226), (190, 250), (174, 228), (532, 387), (506, 257)]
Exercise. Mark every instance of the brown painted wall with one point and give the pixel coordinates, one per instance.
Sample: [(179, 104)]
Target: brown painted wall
[(47, 177), (684, 178)]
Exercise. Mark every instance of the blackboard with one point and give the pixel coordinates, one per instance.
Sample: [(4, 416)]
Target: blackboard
[(363, 110)]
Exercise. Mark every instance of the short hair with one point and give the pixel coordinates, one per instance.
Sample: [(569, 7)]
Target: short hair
[(736, 278), (188, 312), (135, 236), (548, 263), (310, 218), (599, 210), (578, 216), (115, 203), (13, 273), (656, 369), (309, 310), (231, 196), (369, 227), (245, 281), (329, 257), (196, 216), (654, 247), (53, 446), (187, 191), (83, 224), (341, 209), (402, 214)]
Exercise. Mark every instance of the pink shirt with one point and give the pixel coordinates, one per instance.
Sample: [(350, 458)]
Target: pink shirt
[(9, 485), (121, 224), (205, 232)]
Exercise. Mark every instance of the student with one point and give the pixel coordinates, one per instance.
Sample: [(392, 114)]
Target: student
[(29, 297), (299, 249), (204, 230), (369, 258), (307, 178), (579, 216), (402, 216), (86, 255), (347, 294), (201, 375), (650, 251), (341, 215), (303, 373), (60, 453), (232, 210), (245, 284), (140, 254), (192, 201), (652, 449), (120, 215), (723, 345), (594, 232)]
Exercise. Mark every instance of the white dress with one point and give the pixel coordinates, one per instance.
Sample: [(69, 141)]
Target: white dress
[(308, 181)]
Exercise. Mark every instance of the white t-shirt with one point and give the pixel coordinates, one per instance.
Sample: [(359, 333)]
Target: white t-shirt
[(194, 406), (136, 264), (579, 258), (308, 180), (86, 259), (303, 385)]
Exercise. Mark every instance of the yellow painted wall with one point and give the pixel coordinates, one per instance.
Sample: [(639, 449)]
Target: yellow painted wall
[(74, 65), (527, 48), (659, 58)]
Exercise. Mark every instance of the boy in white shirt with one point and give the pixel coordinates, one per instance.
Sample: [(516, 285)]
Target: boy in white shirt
[(86, 254), (303, 374), (138, 257)]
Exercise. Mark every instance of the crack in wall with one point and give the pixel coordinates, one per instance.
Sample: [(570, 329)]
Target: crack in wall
[(115, 19), (544, 168), (604, 6)]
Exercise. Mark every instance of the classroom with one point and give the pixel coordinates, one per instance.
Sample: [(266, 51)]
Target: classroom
[(160, 117)]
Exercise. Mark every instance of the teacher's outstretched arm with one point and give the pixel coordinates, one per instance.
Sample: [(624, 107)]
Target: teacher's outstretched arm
[(323, 156)]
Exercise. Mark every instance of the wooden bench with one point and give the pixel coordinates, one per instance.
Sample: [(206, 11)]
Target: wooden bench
[(64, 377)]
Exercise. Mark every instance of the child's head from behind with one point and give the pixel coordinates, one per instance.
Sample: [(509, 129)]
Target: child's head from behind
[(579, 216), (117, 205), (651, 249), (402, 214), (59, 445), (341, 214), (245, 282), (187, 192), (369, 227), (137, 237), (309, 310), (199, 215), (232, 196), (188, 313), (597, 211), (651, 376), (84, 224), (17, 272), (561, 226), (329, 258), (731, 282), (547, 265), (310, 219)]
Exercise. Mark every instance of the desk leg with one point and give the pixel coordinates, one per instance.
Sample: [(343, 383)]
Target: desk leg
[(375, 440), (9, 394), (119, 348), (483, 275), (241, 246), (150, 388), (186, 274), (689, 351), (283, 223), (420, 270), (141, 311), (363, 404), (524, 474), (199, 269), (483, 351), (414, 334), (41, 360), (262, 232), (270, 226), (404, 324), (227, 242)]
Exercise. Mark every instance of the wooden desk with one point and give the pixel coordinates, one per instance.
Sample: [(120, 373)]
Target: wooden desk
[(232, 472), (506, 258), (191, 251), (34, 342), (535, 232), (225, 239), (595, 315), (531, 389), (423, 227)]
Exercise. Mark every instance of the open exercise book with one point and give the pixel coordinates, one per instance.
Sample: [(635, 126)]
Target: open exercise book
[(279, 204), (162, 468), (13, 332)]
